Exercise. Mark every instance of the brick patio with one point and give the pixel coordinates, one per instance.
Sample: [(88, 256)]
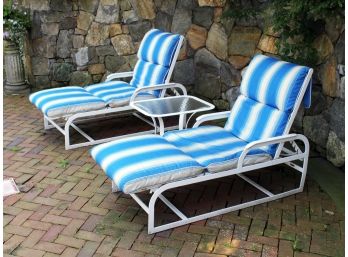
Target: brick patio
[(66, 207)]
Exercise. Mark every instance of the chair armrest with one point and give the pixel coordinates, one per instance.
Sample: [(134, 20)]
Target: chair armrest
[(211, 116), (272, 141), (119, 75), (158, 87)]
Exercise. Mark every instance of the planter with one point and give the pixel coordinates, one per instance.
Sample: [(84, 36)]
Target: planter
[(14, 73)]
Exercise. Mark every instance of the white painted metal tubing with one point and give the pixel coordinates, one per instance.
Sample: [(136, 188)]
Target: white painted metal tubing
[(89, 114), (182, 121), (271, 141), (114, 188), (294, 166), (119, 75), (157, 87), (161, 125), (104, 140), (264, 190), (221, 174), (90, 139), (92, 114), (47, 124), (172, 207), (237, 171), (207, 177), (140, 202), (304, 171), (211, 116), (297, 105), (153, 229), (144, 119), (56, 125), (287, 151)]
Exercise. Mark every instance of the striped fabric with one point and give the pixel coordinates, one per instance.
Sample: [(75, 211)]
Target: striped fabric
[(116, 93), (250, 120), (141, 162), (65, 100), (273, 82), (214, 147), (155, 57), (269, 91), (147, 74), (158, 47)]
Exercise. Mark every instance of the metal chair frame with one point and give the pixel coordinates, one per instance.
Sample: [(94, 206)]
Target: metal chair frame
[(294, 158), (71, 121)]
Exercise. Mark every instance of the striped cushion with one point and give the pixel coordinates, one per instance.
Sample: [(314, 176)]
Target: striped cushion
[(62, 101), (115, 93), (146, 73), (158, 47), (250, 120), (155, 56), (214, 147), (273, 82), (141, 162), (269, 91)]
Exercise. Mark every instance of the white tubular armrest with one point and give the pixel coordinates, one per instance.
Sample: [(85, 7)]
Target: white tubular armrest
[(158, 87), (272, 141), (119, 75), (211, 116)]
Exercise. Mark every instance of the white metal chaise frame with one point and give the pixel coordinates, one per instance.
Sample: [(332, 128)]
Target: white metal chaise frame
[(50, 123), (283, 155)]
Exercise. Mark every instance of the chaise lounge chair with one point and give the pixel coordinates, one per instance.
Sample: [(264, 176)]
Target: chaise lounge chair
[(157, 55), (256, 135)]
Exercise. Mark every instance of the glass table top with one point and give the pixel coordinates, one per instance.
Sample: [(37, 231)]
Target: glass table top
[(175, 105)]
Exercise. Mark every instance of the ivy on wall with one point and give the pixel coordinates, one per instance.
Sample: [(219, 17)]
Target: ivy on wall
[(297, 23)]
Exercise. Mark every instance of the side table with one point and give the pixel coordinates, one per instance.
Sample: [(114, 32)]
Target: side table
[(171, 106)]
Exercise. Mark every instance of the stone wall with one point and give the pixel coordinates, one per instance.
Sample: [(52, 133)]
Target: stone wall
[(78, 42)]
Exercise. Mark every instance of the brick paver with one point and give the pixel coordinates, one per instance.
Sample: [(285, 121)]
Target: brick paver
[(66, 207)]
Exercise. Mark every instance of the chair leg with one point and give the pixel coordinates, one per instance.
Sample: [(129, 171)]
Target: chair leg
[(114, 188), (47, 125), (67, 136)]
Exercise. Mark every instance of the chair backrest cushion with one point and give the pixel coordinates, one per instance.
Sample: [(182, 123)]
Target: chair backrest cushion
[(155, 57), (250, 120), (273, 82), (269, 92)]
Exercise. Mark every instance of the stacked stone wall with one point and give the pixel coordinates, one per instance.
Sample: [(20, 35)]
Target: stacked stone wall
[(79, 42)]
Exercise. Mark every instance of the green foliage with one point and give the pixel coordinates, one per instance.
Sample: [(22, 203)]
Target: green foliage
[(296, 246), (16, 24), (88, 168), (297, 22), (63, 163), (15, 149), (238, 11)]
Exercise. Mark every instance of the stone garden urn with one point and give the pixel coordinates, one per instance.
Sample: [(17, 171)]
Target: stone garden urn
[(15, 82)]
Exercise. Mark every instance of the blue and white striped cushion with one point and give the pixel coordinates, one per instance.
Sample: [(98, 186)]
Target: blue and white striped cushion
[(141, 162), (269, 91), (214, 147), (158, 47), (155, 56), (146, 74), (65, 100), (273, 82), (116, 93), (250, 120)]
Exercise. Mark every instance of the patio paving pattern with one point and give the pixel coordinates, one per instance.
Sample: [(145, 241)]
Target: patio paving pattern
[(66, 207)]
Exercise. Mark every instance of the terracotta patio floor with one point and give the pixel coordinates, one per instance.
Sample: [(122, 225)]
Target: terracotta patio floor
[(66, 207)]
